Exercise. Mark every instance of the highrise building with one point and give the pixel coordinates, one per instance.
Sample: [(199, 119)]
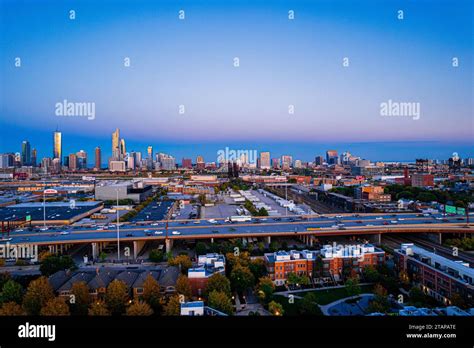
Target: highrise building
[(149, 159), (81, 159), (25, 153), (116, 144), (7, 160), (265, 160), (187, 163), (123, 149), (57, 146), (275, 163), (319, 160), (332, 157), (200, 164), (286, 162), (34, 156), (98, 158), (73, 162)]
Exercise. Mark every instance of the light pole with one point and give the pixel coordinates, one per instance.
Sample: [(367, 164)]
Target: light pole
[(44, 206), (118, 228)]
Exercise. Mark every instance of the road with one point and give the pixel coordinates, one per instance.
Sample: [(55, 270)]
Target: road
[(260, 227)]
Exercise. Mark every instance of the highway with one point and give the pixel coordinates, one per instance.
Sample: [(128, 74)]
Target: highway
[(343, 224)]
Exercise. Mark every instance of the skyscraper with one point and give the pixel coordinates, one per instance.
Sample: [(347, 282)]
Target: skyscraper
[(116, 144), (332, 157), (265, 160), (81, 159), (149, 159), (123, 149), (72, 162), (200, 164), (34, 156), (57, 146), (25, 153), (98, 158), (286, 162)]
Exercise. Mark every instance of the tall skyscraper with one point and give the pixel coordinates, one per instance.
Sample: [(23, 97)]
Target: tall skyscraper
[(265, 160), (286, 162), (187, 163), (25, 153), (116, 144), (34, 157), (98, 158), (81, 159), (123, 149), (332, 157), (72, 162), (57, 146), (319, 160), (149, 159)]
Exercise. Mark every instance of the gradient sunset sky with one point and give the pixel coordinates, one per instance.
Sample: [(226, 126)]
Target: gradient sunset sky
[(282, 62)]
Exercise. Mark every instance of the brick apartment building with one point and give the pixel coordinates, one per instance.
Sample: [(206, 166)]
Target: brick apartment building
[(436, 275), (207, 265), (281, 263)]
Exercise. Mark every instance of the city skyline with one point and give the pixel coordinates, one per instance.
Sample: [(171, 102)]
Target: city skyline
[(282, 63)]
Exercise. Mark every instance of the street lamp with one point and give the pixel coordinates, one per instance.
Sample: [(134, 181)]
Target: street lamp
[(118, 228)]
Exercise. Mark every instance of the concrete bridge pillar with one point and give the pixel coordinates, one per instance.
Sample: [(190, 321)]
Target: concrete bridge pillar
[(137, 247), (376, 238), (212, 240), (168, 245), (268, 239), (311, 241), (95, 250)]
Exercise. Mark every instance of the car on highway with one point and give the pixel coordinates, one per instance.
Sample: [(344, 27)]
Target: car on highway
[(155, 224), (64, 233), (5, 239), (378, 218), (149, 234), (385, 222), (176, 232), (369, 225), (394, 222), (158, 232)]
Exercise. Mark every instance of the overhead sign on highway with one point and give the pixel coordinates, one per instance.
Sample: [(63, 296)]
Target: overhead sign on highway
[(450, 209), (461, 211)]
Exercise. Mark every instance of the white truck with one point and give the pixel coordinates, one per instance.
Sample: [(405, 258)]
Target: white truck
[(241, 218)]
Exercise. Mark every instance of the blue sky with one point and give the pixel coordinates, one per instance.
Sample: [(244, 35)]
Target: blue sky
[(282, 62)]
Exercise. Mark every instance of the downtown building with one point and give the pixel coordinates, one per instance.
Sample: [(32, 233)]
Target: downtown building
[(435, 275)]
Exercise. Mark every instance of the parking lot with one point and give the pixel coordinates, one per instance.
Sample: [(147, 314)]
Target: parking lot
[(154, 211)]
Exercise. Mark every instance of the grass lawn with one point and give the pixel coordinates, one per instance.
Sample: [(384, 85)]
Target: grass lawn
[(327, 296)]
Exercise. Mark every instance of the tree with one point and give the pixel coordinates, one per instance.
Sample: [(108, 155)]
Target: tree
[(200, 248), (156, 255), (37, 294), (102, 256), (55, 307), (98, 308), (116, 296), (181, 260), (241, 278), (265, 288), (11, 309), (151, 293), (257, 267), (80, 300), (218, 282), (295, 279), (273, 246), (183, 286), (11, 292), (139, 308), (380, 303), (371, 274), (352, 287), (173, 307), (220, 301), (262, 212), (275, 308), (309, 305), (51, 264)]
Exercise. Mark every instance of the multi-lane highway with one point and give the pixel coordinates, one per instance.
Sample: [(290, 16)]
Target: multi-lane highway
[(220, 228)]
